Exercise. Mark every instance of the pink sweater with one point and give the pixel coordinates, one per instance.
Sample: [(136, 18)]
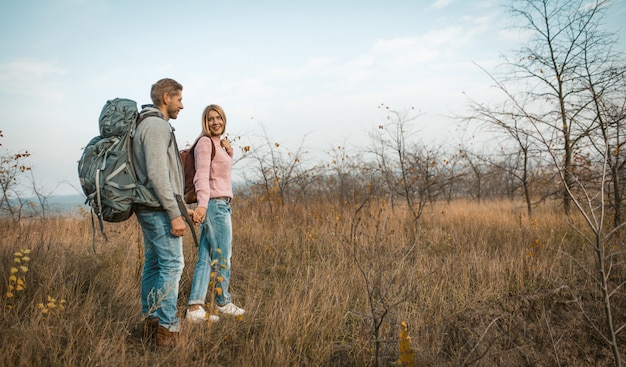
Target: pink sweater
[(212, 179)]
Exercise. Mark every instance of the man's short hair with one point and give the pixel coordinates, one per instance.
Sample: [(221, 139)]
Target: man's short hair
[(165, 85)]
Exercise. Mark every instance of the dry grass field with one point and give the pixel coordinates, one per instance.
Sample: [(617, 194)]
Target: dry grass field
[(476, 284)]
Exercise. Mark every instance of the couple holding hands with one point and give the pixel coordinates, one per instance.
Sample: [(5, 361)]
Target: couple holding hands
[(157, 162)]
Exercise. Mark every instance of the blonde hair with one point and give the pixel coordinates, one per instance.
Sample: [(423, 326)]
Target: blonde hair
[(205, 114)]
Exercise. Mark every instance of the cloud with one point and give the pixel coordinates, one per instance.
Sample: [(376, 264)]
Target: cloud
[(313, 66), (32, 79), (488, 4), (386, 62), (438, 4), (406, 53), (251, 86), (30, 67)]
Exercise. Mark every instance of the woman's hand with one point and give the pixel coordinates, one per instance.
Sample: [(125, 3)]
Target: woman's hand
[(225, 143), (199, 215)]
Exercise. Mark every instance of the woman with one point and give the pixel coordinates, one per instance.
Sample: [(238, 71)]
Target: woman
[(214, 190)]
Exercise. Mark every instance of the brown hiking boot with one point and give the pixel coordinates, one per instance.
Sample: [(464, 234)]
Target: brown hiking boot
[(150, 325), (166, 338)]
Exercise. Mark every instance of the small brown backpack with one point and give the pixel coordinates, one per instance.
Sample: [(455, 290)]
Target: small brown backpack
[(189, 167)]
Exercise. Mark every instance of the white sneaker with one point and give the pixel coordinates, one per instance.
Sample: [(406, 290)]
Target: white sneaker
[(200, 315), (231, 309)]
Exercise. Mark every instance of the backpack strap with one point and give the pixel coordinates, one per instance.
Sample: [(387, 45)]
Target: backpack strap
[(183, 212), (179, 199), (212, 149), (192, 150), (129, 142), (99, 200)]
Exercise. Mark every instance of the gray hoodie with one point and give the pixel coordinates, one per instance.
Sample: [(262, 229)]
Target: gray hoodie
[(157, 160)]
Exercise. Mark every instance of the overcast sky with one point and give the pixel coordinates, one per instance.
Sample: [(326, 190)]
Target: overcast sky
[(312, 70)]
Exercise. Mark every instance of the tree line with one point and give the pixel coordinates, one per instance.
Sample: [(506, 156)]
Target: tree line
[(560, 129)]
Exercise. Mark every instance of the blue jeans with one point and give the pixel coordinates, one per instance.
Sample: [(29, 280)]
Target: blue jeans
[(216, 243), (162, 268)]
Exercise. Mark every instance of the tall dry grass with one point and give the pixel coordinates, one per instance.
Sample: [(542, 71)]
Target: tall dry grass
[(477, 284)]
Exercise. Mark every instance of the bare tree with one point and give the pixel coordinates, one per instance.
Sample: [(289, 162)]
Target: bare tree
[(43, 197), (344, 175), (450, 174), (589, 200), (516, 128), (278, 170), (12, 168), (608, 110), (548, 70), (405, 165), (588, 196), (567, 82), (476, 171), (382, 267)]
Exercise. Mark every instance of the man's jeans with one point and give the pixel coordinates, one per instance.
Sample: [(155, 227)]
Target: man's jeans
[(162, 269), (216, 236)]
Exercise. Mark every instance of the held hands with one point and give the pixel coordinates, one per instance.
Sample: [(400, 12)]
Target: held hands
[(199, 215)]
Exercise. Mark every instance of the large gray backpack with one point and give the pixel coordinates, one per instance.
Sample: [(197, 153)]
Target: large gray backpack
[(106, 170)]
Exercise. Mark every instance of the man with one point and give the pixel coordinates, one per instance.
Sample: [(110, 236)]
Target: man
[(157, 164)]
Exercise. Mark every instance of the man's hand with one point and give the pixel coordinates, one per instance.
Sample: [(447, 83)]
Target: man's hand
[(178, 227), (199, 215)]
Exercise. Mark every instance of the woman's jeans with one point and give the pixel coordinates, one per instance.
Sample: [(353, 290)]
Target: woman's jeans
[(216, 236), (162, 268)]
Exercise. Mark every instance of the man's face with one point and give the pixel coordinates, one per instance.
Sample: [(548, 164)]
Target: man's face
[(216, 123), (173, 104)]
